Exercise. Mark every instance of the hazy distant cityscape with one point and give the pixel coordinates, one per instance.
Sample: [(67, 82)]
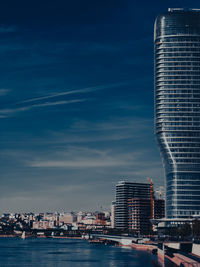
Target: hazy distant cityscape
[(134, 206)]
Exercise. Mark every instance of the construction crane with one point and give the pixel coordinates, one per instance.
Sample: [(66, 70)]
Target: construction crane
[(151, 197), (160, 193)]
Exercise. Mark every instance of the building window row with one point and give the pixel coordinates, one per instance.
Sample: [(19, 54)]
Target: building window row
[(182, 145), (178, 109), (194, 134), (176, 59), (178, 81), (178, 45), (177, 114), (179, 119), (179, 63), (178, 182), (164, 97), (160, 55), (181, 86), (178, 105), (182, 161), (176, 69), (177, 72), (168, 95), (178, 39), (180, 123), (187, 150)]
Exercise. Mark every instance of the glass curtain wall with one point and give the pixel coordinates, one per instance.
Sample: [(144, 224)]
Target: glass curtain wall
[(177, 108)]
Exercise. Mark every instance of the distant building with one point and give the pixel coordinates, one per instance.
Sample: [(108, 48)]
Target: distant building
[(80, 216), (100, 218), (112, 217), (89, 219), (159, 208), (67, 218), (43, 224), (139, 215), (125, 193)]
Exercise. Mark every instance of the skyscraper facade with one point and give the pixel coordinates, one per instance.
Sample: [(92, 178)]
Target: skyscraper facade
[(177, 108)]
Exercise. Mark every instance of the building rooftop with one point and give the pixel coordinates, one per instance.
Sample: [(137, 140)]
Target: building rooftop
[(132, 183)]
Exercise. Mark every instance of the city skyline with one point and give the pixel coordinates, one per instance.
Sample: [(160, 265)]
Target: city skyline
[(76, 94)]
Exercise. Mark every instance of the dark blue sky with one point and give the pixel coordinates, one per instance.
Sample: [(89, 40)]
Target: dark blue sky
[(76, 95)]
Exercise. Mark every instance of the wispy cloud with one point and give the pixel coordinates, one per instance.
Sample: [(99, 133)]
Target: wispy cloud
[(82, 157), (71, 92), (56, 103), (117, 123), (82, 163), (128, 165), (4, 91), (80, 91), (96, 132), (53, 98), (4, 112), (7, 29)]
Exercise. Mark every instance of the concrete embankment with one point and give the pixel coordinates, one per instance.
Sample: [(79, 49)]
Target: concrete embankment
[(176, 258), (171, 252), (181, 260), (184, 253), (143, 247), (179, 253)]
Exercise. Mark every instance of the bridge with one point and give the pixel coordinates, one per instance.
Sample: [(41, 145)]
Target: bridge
[(123, 240)]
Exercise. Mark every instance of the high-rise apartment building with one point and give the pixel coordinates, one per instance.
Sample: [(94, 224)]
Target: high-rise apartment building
[(177, 108), (139, 215), (125, 192)]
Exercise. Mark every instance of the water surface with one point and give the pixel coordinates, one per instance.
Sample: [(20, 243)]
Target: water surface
[(49, 252)]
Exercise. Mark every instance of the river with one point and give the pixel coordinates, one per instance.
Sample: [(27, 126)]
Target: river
[(41, 252)]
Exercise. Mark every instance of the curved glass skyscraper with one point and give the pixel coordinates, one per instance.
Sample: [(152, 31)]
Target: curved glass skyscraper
[(177, 108)]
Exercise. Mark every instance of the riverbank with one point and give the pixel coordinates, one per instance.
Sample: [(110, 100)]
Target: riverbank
[(41, 236)]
